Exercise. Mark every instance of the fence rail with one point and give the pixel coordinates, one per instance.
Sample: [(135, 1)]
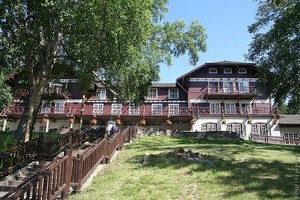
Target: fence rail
[(54, 180), (274, 139)]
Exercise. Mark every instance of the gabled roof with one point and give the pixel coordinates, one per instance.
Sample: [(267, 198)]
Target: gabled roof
[(219, 63), (289, 119), (166, 85)]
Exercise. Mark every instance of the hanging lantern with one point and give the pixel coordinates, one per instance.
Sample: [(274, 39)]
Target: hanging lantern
[(142, 122), (169, 122), (119, 121), (193, 121), (71, 119), (94, 121), (44, 120)]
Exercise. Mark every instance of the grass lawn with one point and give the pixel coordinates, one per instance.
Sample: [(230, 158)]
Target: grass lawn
[(231, 170)]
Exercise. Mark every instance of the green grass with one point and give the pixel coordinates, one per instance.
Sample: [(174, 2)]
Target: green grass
[(231, 170)]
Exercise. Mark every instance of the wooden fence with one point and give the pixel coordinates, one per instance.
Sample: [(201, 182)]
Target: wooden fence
[(49, 183), (55, 180), (44, 149), (274, 139)]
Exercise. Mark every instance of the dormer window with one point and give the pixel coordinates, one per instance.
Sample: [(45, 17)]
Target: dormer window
[(173, 93), (242, 71), (153, 93), (101, 93), (227, 71), (213, 70)]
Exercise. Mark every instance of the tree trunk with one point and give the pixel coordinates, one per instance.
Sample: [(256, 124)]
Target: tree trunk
[(29, 115)]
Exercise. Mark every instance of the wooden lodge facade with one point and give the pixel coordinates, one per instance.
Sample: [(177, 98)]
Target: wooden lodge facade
[(218, 96)]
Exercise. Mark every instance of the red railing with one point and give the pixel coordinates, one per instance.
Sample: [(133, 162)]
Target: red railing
[(143, 111)]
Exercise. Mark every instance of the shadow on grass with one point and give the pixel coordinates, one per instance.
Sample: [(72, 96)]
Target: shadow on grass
[(268, 178)]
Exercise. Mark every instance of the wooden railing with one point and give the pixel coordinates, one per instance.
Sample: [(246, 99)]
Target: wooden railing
[(49, 183), (54, 181), (274, 139), (232, 90), (73, 110), (43, 149)]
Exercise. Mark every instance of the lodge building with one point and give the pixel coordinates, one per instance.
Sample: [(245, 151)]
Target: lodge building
[(216, 96)]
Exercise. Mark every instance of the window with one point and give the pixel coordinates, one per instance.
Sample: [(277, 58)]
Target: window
[(259, 129), (213, 70), (173, 109), (156, 109), (229, 108), (228, 87), (242, 71), (237, 128), (245, 108), (101, 93), (116, 109), (215, 108), (227, 71), (244, 87), (213, 87), (133, 109), (173, 93), (210, 127), (153, 93), (291, 138), (97, 109), (59, 107)]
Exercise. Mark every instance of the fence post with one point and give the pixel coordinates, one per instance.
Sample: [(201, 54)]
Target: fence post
[(79, 172), (67, 175)]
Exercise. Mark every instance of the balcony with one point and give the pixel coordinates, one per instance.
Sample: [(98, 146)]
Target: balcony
[(231, 92), (143, 111)]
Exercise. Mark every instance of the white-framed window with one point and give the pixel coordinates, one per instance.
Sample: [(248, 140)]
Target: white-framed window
[(210, 127), (230, 108), (260, 129), (173, 109), (101, 93), (59, 107), (228, 87), (227, 71), (116, 108), (156, 109), (245, 108), (213, 70), (215, 108), (133, 109), (213, 87), (153, 93), (173, 93), (98, 108), (291, 138), (237, 128), (244, 87), (242, 71)]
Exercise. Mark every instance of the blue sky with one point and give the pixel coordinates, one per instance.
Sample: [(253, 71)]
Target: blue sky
[(226, 25)]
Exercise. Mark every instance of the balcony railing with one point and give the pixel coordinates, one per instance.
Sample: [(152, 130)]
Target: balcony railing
[(142, 111), (232, 90)]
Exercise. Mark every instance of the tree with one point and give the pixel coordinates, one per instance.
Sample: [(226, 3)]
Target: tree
[(276, 50), (120, 40), (5, 93)]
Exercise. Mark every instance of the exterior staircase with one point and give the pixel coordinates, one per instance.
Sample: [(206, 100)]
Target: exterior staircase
[(12, 181)]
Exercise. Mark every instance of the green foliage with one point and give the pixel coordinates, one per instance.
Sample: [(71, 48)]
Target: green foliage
[(5, 93), (275, 49), (7, 140)]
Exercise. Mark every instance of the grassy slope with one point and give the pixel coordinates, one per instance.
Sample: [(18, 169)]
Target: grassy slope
[(240, 170)]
